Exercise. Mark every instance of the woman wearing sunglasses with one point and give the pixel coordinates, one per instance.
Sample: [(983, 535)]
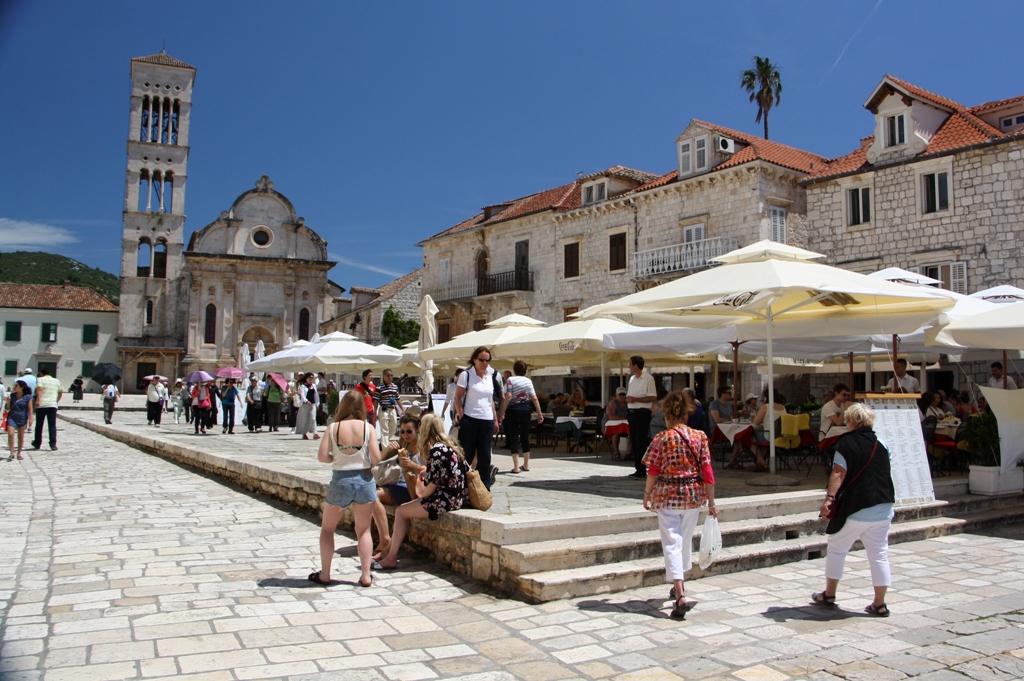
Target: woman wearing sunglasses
[(476, 392), (407, 448)]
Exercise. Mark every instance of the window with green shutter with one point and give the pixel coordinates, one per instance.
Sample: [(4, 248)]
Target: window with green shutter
[(11, 367), (87, 368), (12, 332), (90, 334), (49, 334)]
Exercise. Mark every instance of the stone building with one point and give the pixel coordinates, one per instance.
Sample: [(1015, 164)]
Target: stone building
[(256, 273), (938, 188), (613, 232), (361, 314), (68, 329)]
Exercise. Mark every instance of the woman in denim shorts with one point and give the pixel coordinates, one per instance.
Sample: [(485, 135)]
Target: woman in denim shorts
[(351, 448)]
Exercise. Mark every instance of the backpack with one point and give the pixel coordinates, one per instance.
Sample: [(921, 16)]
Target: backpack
[(496, 389)]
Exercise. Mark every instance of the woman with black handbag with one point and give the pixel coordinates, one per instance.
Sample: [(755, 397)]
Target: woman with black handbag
[(859, 506)]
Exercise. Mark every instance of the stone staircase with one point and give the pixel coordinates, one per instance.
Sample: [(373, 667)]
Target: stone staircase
[(587, 555)]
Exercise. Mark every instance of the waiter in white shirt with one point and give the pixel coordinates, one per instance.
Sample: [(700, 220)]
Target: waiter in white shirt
[(902, 382), (640, 398), (998, 378)]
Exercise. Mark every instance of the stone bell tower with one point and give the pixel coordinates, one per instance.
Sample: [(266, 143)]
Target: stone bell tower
[(151, 324)]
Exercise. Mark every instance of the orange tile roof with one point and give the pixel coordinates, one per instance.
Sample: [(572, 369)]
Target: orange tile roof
[(963, 128), (46, 297), (392, 287), (164, 60), (766, 150), (622, 171)]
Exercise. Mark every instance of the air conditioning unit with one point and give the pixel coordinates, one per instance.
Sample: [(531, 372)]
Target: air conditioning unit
[(726, 145)]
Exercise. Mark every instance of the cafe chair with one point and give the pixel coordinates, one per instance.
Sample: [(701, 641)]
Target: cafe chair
[(787, 444), (951, 447), (928, 430)]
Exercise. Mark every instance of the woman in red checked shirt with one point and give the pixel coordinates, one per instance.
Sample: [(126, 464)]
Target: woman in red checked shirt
[(680, 480)]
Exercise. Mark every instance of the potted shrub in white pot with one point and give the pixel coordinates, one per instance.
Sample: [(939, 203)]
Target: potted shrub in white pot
[(982, 435)]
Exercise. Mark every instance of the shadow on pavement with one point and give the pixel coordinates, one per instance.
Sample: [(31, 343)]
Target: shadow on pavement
[(809, 612), (656, 608)]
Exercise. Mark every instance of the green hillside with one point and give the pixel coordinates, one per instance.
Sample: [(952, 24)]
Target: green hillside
[(26, 267)]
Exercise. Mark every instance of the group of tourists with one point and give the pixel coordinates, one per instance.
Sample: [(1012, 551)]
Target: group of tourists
[(30, 396)]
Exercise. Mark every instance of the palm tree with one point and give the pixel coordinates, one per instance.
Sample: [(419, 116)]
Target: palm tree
[(764, 85)]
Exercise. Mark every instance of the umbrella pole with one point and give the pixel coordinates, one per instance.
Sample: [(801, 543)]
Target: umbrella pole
[(851, 373), (604, 378), (736, 377), (867, 373), (771, 397)]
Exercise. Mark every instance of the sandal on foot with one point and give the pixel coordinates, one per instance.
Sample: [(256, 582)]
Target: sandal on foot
[(682, 607), (366, 586), (514, 470), (315, 578), (877, 610), (823, 600), (735, 466), (525, 469)]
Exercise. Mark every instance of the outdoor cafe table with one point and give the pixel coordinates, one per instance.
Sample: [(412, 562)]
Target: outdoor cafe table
[(947, 428), (731, 429)]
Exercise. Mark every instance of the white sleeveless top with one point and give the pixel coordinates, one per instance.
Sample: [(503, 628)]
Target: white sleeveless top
[(357, 460)]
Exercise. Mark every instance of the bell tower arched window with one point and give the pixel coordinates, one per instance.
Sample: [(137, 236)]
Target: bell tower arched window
[(210, 333), (160, 259), (143, 258), (149, 312), (304, 324)]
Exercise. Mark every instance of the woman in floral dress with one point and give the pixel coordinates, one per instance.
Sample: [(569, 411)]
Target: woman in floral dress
[(441, 487), (680, 479)]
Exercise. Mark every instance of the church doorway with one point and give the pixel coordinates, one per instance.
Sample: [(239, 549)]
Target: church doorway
[(259, 333)]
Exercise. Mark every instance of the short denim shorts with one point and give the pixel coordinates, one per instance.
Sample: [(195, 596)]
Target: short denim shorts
[(351, 487)]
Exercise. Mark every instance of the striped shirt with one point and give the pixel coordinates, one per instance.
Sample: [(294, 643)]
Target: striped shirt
[(387, 394)]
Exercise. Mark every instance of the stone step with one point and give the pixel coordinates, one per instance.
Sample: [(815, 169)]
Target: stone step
[(650, 571), (613, 547)]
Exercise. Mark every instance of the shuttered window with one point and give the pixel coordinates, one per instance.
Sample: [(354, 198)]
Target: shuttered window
[(444, 274), (12, 332), (701, 147), (693, 233), (90, 334), (958, 277), (684, 158), (617, 252), (571, 260), (49, 332), (778, 216)]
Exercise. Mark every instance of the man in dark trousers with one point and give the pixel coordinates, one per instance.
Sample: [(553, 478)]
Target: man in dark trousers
[(640, 398)]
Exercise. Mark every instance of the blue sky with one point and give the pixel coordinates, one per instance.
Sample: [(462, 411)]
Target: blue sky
[(385, 123)]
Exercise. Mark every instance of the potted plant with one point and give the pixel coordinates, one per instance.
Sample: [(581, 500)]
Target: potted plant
[(332, 405), (982, 435)]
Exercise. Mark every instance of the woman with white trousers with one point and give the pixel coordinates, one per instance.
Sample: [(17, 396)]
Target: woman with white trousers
[(861, 493)]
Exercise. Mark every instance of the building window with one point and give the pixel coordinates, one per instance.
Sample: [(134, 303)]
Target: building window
[(49, 333), (953, 275), (685, 167), (859, 206), (143, 256), (160, 259), (479, 324), (936, 192), (568, 312), (210, 333), (444, 332), (304, 324), (149, 312), (11, 367), (87, 368), (617, 252), (12, 332), (571, 260), (778, 216), (693, 233), (700, 146), (895, 130), (1011, 121), (594, 192), (90, 334), (444, 272)]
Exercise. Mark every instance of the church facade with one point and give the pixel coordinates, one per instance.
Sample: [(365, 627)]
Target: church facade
[(256, 273)]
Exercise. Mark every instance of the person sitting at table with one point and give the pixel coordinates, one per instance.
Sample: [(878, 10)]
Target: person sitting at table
[(577, 402), (697, 419), (928, 405), (832, 423), (829, 395), (945, 404), (750, 405), (965, 408), (617, 411), (761, 433), (902, 382), (722, 410), (982, 404)]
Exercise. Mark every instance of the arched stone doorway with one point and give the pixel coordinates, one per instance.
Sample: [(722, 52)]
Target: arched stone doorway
[(259, 333)]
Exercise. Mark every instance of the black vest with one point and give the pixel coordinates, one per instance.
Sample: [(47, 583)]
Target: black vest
[(872, 487)]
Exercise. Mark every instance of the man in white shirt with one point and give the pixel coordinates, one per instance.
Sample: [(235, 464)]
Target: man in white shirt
[(996, 381), (902, 382), (449, 395), (110, 395), (640, 397), (833, 423), (48, 392)]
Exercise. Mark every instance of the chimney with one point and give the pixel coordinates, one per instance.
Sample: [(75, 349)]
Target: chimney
[(67, 283)]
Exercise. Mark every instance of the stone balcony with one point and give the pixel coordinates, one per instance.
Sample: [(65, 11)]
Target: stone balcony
[(501, 282), (678, 258)]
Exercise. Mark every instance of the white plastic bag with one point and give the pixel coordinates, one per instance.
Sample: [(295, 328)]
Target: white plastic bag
[(710, 543)]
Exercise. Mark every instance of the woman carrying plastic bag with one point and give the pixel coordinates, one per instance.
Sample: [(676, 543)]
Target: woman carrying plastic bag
[(680, 479)]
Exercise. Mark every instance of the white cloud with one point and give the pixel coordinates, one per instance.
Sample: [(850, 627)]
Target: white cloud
[(22, 234), (363, 266)]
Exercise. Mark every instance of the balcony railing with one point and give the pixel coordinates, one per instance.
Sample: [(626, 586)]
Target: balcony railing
[(680, 257), (502, 282)]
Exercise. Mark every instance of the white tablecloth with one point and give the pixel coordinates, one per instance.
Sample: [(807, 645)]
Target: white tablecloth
[(731, 430), (578, 421)]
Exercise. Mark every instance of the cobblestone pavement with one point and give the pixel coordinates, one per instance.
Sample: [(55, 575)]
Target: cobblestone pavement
[(115, 564)]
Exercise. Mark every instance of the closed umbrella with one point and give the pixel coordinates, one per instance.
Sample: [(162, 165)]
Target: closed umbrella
[(768, 284), (428, 338)]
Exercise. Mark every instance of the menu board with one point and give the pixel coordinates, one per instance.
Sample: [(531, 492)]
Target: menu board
[(898, 426)]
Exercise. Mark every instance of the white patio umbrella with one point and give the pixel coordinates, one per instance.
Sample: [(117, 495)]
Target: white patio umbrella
[(1001, 328), (500, 330), (900, 276), (291, 349), (259, 353), (771, 284), (428, 338), (1001, 294), (335, 351)]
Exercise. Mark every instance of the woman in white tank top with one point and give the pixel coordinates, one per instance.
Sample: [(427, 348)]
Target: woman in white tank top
[(351, 448)]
